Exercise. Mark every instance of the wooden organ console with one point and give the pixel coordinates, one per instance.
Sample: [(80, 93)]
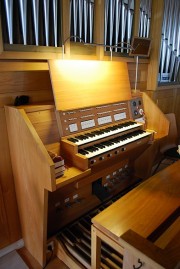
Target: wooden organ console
[(99, 128), (91, 148)]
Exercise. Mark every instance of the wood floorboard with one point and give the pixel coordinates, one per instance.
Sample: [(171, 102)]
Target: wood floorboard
[(55, 263)]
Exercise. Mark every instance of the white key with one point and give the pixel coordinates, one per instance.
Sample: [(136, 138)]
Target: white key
[(96, 137), (114, 146)]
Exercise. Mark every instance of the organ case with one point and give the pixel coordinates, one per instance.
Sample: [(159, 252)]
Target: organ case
[(36, 129)]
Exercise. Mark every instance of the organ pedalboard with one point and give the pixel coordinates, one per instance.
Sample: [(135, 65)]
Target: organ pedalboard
[(71, 209), (96, 134)]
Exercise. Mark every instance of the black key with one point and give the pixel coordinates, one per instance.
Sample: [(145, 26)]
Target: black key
[(91, 149), (81, 137), (72, 139), (82, 151), (108, 143), (89, 134), (100, 146)]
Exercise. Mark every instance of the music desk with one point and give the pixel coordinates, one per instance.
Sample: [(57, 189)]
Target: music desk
[(143, 225)]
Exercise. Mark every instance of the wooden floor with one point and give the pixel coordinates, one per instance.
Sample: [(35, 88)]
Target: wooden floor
[(21, 259), (54, 263)]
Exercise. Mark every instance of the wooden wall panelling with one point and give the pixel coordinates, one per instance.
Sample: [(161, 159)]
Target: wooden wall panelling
[(155, 35), (165, 99), (66, 27), (37, 172), (21, 65), (177, 110), (155, 119), (142, 75), (37, 55), (4, 233), (151, 95), (34, 97), (35, 84), (24, 81), (99, 27), (168, 99), (1, 39), (136, 18), (45, 125), (11, 231)]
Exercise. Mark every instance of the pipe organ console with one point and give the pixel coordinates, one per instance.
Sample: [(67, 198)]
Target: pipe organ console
[(99, 129), (96, 134)]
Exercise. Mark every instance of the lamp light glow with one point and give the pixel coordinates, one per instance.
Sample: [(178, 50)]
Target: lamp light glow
[(139, 47)]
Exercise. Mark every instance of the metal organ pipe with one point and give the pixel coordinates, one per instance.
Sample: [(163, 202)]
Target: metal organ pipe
[(111, 21), (169, 61), (145, 17), (163, 45), (118, 10), (106, 21), (55, 21), (91, 18), (46, 20), (118, 23), (170, 29), (85, 20), (38, 22), (130, 20), (9, 18), (123, 21), (82, 18), (174, 39), (35, 8), (23, 19), (34, 18), (74, 5)]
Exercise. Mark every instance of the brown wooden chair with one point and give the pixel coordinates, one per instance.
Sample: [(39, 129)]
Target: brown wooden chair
[(169, 145)]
